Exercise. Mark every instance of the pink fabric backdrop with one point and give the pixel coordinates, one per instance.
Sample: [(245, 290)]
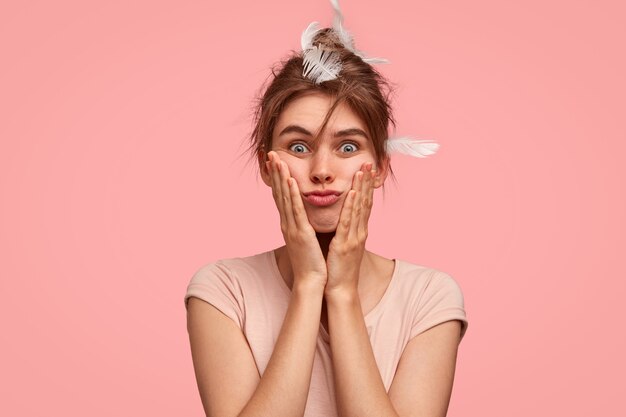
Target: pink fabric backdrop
[(120, 133)]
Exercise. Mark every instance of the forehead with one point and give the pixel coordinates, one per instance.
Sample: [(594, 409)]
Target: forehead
[(309, 111)]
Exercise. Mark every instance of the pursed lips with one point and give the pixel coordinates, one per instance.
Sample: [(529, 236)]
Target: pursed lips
[(322, 198)]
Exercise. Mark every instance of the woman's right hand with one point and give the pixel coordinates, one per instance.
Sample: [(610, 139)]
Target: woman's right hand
[(305, 254)]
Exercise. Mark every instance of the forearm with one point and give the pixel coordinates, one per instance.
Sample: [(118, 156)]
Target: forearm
[(359, 387), (284, 386)]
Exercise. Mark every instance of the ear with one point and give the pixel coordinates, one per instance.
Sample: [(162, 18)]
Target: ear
[(383, 170), (265, 175)]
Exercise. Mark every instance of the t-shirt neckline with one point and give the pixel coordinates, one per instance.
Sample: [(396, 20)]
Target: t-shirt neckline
[(370, 316)]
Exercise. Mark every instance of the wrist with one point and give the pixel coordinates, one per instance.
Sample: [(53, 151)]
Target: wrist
[(341, 295), (309, 286)]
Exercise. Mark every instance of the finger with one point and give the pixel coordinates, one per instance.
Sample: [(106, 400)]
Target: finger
[(347, 210), (282, 192), (272, 171), (345, 217), (355, 211), (299, 213), (368, 196), (276, 175), (357, 183), (375, 175), (366, 180), (361, 212), (276, 189), (286, 195)]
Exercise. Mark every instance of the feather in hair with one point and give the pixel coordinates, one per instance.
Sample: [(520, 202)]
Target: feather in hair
[(346, 38), (321, 65), (374, 60), (411, 147), (309, 33)]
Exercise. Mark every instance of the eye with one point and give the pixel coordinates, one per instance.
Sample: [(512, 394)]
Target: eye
[(348, 147), (298, 148)]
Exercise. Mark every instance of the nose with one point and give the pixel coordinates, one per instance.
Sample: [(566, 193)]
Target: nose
[(321, 168)]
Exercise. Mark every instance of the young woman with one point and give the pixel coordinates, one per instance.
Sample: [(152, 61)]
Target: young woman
[(321, 326)]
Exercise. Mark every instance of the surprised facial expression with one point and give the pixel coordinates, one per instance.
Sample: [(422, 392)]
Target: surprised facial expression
[(324, 168)]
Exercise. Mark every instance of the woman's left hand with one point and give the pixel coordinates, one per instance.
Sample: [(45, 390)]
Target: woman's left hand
[(348, 245)]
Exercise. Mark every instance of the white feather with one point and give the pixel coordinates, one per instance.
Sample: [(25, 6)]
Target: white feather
[(307, 36), (411, 147), (346, 38), (321, 65), (374, 60)]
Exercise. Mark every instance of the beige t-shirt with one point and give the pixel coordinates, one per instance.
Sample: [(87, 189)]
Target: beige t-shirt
[(253, 294)]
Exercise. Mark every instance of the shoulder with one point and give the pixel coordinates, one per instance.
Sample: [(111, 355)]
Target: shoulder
[(434, 295), (227, 278), (232, 268), (425, 278)]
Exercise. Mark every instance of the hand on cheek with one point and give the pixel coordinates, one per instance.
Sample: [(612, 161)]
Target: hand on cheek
[(347, 247), (305, 254)]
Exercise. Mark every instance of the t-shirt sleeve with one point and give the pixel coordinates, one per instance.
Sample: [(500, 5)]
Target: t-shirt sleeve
[(441, 301), (217, 285)]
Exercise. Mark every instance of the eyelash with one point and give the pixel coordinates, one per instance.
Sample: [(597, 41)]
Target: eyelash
[(297, 144), (356, 147)]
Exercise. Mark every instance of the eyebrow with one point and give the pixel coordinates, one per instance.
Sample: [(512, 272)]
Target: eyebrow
[(346, 132)]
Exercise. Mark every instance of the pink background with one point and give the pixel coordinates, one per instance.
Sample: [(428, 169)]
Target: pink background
[(121, 128)]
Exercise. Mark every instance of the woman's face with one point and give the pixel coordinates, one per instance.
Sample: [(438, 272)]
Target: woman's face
[(329, 164)]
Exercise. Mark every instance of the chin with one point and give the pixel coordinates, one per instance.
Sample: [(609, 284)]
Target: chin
[(325, 224), (325, 228)]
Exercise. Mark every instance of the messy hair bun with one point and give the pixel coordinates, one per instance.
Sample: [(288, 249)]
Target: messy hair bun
[(358, 84)]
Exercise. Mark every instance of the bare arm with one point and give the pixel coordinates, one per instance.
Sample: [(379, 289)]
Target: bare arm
[(224, 364), (227, 376), (359, 387), (423, 382)]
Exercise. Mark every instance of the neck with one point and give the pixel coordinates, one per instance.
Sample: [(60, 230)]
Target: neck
[(284, 263), (324, 241)]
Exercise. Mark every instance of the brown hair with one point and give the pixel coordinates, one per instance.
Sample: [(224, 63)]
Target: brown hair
[(359, 85)]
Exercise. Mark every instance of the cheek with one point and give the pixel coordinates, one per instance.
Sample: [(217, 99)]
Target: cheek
[(297, 167), (355, 164)]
